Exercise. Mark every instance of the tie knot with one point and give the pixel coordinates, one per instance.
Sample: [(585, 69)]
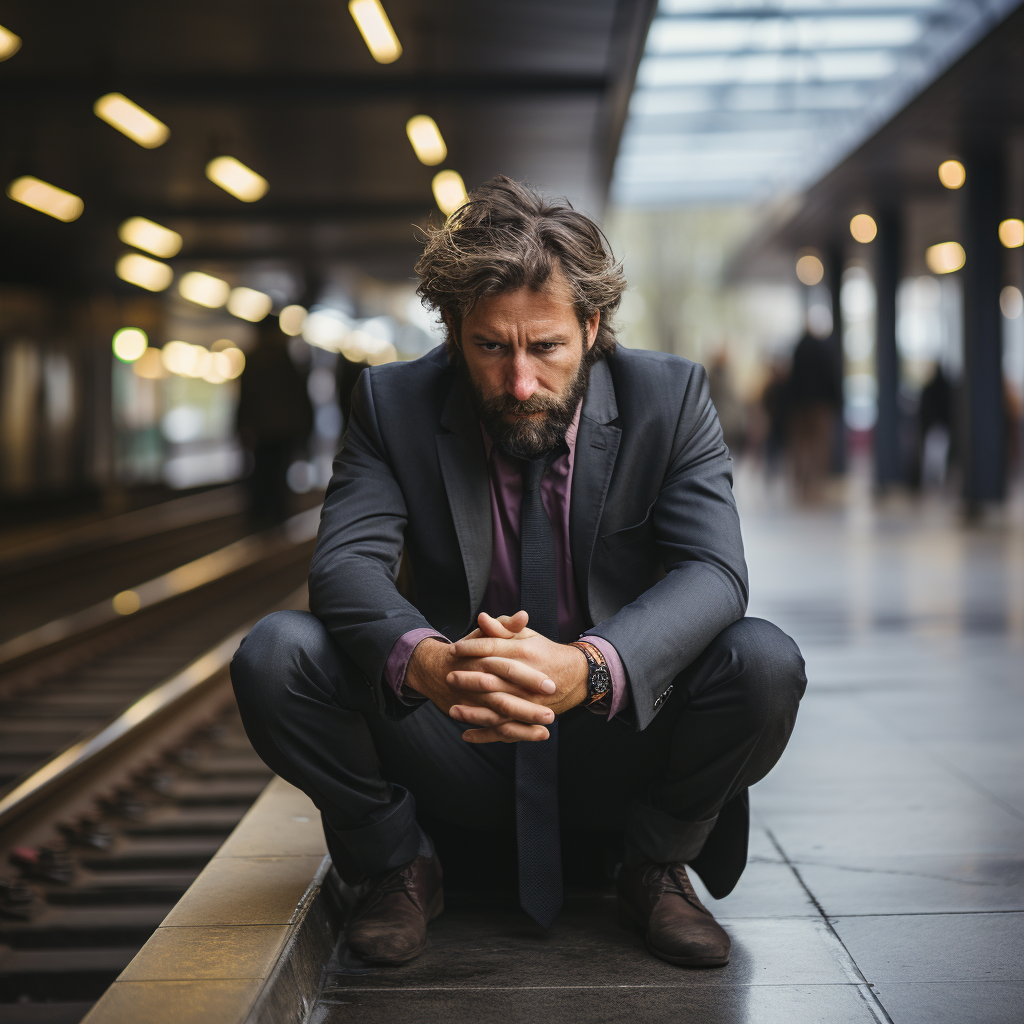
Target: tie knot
[(534, 469)]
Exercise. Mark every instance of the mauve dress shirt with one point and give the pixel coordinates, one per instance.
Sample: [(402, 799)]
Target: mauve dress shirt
[(502, 594)]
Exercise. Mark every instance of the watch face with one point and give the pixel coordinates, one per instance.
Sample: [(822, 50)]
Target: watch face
[(600, 681)]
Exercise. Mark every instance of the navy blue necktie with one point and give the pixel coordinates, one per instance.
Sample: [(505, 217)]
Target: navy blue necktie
[(539, 845)]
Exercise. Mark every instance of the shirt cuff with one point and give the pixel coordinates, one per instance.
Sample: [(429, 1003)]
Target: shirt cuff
[(398, 660), (620, 681)]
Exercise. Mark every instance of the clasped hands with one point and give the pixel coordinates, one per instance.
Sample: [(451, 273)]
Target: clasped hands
[(503, 679)]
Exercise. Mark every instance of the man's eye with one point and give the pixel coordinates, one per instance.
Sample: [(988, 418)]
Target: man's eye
[(547, 346), (491, 346)]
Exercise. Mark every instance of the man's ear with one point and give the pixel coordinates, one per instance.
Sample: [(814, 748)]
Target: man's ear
[(592, 325)]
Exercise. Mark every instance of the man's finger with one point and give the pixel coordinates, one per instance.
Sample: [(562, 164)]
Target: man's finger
[(505, 705), (486, 682), (512, 732), (490, 673), (476, 716), (485, 647)]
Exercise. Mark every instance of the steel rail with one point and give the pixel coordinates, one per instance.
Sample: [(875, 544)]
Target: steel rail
[(170, 696), (198, 573), (128, 526)]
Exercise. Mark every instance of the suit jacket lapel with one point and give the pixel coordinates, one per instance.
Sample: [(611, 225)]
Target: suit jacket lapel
[(597, 444), (464, 467)]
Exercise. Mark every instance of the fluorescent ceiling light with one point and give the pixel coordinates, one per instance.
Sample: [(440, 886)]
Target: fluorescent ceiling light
[(449, 191), (46, 198), (291, 320), (249, 304), (234, 177), (130, 119), (204, 290), (149, 236), (376, 30), (863, 228), (10, 44), (129, 343), (426, 140), (140, 270), (945, 258)]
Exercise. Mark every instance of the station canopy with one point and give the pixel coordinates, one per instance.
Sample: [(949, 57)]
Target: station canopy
[(741, 100)]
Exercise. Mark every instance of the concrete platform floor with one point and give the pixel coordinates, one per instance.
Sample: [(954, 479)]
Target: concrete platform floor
[(886, 874)]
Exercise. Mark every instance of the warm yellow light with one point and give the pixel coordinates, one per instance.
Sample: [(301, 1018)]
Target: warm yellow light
[(426, 139), (230, 362), (153, 238), (129, 343), (126, 603), (184, 359), (149, 365), (376, 30), (945, 257), (449, 191), (249, 304), (952, 173), (1011, 233), (809, 269), (10, 44), (140, 270), (130, 119), (863, 228), (292, 319), (234, 177), (46, 198), (204, 289)]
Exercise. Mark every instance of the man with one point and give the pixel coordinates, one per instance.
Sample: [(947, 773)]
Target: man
[(571, 501)]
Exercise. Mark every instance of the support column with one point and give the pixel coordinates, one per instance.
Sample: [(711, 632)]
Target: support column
[(985, 417), (834, 272), (888, 460)]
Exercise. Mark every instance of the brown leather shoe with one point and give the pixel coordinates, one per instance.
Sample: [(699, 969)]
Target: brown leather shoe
[(389, 926), (658, 901)]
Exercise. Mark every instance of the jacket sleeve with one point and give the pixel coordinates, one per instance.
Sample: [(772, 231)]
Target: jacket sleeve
[(697, 530), (358, 551)]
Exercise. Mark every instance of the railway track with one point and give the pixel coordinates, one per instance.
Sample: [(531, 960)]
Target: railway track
[(125, 766)]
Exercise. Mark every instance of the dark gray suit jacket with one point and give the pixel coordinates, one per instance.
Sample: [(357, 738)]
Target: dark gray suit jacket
[(654, 534)]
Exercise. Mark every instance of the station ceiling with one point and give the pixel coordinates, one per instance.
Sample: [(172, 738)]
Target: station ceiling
[(742, 100), (976, 107), (536, 89)]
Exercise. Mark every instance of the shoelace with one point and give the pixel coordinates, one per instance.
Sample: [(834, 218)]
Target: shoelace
[(398, 881), (673, 880)]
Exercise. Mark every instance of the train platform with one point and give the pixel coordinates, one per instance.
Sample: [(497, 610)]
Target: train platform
[(886, 873)]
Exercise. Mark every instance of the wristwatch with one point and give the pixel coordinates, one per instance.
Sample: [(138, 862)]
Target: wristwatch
[(599, 679)]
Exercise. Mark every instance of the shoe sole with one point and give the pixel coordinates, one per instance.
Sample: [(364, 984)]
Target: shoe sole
[(435, 909), (630, 922)]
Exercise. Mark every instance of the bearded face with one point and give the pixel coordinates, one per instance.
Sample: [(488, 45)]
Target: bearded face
[(527, 428)]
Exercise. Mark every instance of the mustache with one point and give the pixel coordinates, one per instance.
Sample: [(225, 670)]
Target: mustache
[(505, 404)]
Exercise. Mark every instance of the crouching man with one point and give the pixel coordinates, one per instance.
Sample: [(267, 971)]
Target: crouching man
[(572, 652)]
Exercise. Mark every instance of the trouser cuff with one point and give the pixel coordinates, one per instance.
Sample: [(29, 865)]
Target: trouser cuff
[(391, 839), (665, 839)]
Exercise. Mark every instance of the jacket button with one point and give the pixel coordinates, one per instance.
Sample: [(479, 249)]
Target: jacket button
[(659, 701)]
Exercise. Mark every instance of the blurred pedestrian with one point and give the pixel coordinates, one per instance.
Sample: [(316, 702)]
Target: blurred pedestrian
[(813, 398), (274, 417), (934, 429)]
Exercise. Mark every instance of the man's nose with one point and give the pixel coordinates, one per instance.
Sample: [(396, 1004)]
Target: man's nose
[(522, 382)]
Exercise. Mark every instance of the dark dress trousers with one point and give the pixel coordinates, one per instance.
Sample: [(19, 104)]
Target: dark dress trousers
[(660, 574)]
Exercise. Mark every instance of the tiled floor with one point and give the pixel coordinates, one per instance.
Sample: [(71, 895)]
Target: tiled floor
[(886, 875)]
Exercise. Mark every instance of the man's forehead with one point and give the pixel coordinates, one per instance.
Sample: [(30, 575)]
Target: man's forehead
[(550, 303)]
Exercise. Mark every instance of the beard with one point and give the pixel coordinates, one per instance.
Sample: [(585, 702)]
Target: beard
[(531, 436)]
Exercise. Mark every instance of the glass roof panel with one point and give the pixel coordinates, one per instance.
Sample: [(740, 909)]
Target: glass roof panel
[(745, 99)]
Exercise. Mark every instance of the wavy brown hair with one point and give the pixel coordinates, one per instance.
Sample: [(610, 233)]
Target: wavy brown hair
[(507, 236)]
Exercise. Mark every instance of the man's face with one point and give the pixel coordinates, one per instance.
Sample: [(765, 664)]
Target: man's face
[(523, 356)]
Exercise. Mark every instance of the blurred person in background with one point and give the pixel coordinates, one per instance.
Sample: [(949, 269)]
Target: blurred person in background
[(813, 400), (573, 652), (274, 419), (732, 413), (934, 431)]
